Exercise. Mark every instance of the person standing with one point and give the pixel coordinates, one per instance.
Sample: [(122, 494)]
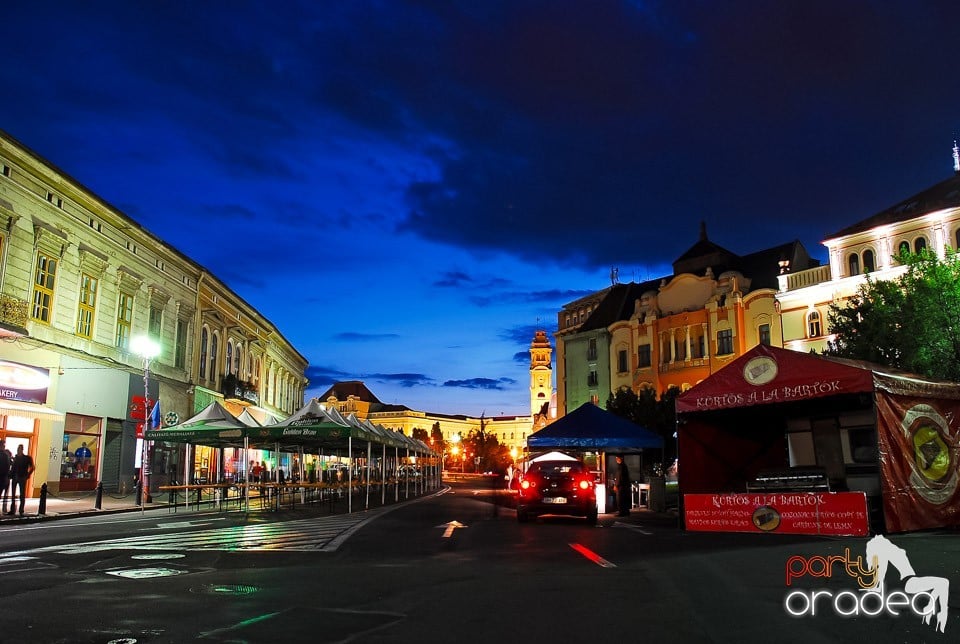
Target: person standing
[(20, 472), (6, 460), (623, 488)]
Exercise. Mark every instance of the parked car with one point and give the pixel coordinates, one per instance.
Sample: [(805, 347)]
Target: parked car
[(557, 487)]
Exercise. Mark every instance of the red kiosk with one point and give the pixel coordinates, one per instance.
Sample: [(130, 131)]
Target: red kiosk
[(790, 442)]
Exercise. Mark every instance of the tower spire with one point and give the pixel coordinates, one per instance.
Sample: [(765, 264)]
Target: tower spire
[(956, 157)]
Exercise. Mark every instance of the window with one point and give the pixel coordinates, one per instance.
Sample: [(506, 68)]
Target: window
[(643, 355), (956, 235), (853, 263), (764, 333), (904, 247), (237, 361), (920, 245), (204, 341), (229, 356), (698, 350), (213, 357), (124, 320), (814, 329), (180, 345), (156, 322), (724, 342), (43, 282), (592, 380), (868, 262), (622, 361), (592, 349), (87, 306)]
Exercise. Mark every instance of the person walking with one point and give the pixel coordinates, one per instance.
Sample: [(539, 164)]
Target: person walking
[(623, 488), (20, 472), (6, 461)]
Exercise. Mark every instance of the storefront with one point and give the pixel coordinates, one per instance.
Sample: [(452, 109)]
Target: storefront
[(779, 426), (80, 458)]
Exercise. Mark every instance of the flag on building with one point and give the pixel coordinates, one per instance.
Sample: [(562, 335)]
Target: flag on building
[(155, 417)]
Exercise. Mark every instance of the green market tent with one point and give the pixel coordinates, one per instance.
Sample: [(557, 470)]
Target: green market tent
[(213, 426)]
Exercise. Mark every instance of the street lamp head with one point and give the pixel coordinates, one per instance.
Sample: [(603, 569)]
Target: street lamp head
[(145, 346)]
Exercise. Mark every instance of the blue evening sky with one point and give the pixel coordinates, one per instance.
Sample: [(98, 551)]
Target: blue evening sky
[(405, 187)]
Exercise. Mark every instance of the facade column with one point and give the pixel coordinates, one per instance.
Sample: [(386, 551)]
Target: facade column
[(706, 340), (672, 338), (688, 354)]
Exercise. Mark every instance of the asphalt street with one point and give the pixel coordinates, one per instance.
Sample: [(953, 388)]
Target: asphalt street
[(449, 566)]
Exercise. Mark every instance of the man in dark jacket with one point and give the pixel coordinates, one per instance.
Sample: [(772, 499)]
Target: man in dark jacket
[(6, 460), (20, 471)]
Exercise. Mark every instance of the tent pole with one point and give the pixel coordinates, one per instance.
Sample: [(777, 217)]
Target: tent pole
[(407, 484), (246, 486), (350, 475), (366, 505), (186, 476), (396, 468)]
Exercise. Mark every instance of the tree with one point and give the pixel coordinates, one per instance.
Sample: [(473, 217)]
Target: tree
[(649, 411), (911, 323)]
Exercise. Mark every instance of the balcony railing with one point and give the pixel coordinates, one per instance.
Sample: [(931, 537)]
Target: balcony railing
[(14, 312), (802, 279)]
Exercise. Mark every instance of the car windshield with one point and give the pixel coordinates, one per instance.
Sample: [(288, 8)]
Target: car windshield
[(556, 469)]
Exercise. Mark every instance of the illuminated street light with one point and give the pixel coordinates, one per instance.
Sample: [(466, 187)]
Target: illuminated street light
[(148, 349)]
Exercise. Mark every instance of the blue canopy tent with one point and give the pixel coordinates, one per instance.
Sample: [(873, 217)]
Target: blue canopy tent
[(589, 428)]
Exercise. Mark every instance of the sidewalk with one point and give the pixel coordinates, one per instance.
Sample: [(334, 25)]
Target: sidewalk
[(76, 504)]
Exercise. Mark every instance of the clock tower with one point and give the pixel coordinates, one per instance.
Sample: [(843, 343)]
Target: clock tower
[(541, 375)]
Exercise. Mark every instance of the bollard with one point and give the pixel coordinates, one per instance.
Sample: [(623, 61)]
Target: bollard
[(172, 498), (43, 500), (139, 493), (99, 504)]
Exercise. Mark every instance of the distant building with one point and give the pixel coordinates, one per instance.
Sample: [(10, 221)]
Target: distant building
[(79, 281), (354, 397), (928, 220), (673, 331)]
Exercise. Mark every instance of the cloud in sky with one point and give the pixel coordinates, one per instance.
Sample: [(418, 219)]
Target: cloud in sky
[(399, 185)]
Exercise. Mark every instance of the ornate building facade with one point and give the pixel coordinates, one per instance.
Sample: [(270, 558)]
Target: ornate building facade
[(673, 331), (80, 282)]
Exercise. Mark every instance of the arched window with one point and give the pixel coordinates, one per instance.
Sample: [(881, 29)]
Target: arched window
[(868, 264), (203, 352), (957, 239), (229, 356), (237, 361), (853, 263), (904, 247), (814, 330), (920, 244), (213, 357)]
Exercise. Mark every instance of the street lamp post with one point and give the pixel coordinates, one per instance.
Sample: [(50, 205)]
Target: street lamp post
[(148, 349)]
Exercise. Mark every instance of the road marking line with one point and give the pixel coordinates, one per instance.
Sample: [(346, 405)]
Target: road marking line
[(592, 556), (618, 524)]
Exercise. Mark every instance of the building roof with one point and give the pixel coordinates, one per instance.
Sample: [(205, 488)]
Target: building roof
[(618, 304), (347, 388), (940, 196)]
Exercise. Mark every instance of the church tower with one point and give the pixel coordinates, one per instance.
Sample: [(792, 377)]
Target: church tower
[(541, 375)]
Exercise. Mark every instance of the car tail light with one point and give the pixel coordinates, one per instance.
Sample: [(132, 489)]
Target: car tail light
[(585, 484), (526, 484)]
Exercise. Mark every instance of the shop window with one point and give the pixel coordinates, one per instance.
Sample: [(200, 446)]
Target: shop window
[(81, 452)]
